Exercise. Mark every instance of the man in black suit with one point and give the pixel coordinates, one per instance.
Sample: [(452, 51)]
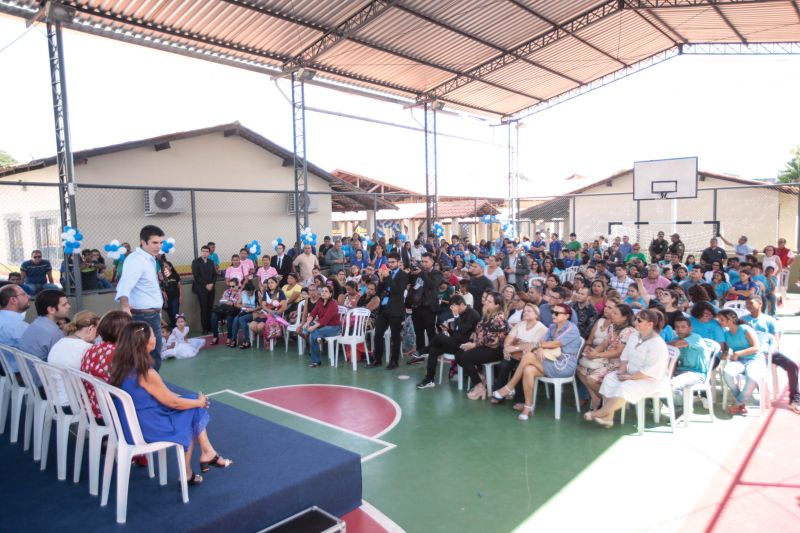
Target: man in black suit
[(282, 263), (455, 332), (204, 275), (392, 311), (424, 298)]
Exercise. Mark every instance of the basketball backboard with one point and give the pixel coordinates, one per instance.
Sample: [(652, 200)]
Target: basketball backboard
[(665, 179)]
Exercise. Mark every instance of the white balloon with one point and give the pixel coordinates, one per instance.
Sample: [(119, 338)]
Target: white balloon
[(171, 240), (113, 255), (115, 242), (72, 232), (66, 236), (77, 251), (122, 251)]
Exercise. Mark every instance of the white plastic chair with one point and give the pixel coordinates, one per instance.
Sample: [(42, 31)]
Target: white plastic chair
[(294, 328), (738, 307), (558, 384), (9, 388), (35, 405), (665, 393), (355, 333), (569, 274), (88, 424), (332, 350), (449, 358), (50, 375), (124, 451), (712, 349)]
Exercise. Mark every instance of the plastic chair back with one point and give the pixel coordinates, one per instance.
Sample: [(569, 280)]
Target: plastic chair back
[(6, 355), (298, 321), (356, 322), (79, 386), (50, 375), (674, 354), (713, 350), (25, 364), (117, 402), (735, 304)]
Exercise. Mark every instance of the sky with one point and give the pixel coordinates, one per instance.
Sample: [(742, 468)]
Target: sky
[(739, 115)]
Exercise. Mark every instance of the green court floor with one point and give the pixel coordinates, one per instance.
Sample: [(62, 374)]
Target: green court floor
[(452, 464)]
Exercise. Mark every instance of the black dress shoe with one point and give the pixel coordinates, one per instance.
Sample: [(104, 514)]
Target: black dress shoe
[(392, 365), (374, 364)]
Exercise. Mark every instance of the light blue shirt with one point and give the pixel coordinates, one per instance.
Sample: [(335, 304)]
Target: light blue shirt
[(37, 340), (12, 326), (139, 282)]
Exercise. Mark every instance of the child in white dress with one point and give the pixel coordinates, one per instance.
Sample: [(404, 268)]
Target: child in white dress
[(177, 345)]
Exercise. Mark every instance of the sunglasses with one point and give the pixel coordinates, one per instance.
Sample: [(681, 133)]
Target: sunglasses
[(558, 313)]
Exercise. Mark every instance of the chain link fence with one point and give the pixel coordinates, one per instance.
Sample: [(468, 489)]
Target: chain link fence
[(762, 213)]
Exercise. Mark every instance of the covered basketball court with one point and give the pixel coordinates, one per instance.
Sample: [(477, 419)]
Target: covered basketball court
[(456, 466)]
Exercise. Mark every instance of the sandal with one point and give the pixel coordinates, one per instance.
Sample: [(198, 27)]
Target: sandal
[(608, 424), (244, 346), (518, 406), (526, 412), (205, 466), (195, 479), (500, 396)]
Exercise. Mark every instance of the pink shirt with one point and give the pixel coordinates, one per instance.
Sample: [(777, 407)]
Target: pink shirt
[(236, 272), (264, 275), (248, 266), (650, 286)]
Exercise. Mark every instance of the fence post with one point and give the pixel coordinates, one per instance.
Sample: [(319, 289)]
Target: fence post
[(638, 213), (714, 207), (194, 223), (572, 222)]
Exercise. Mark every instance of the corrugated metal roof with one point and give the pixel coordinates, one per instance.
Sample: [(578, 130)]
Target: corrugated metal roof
[(487, 57)]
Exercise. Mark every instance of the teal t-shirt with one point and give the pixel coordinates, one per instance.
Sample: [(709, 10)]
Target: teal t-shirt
[(738, 341), (693, 356), (708, 330)]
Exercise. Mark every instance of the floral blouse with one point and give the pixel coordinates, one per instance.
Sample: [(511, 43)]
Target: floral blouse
[(97, 362), (491, 332)]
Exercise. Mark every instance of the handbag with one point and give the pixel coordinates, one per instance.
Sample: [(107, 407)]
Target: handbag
[(225, 309), (551, 353)]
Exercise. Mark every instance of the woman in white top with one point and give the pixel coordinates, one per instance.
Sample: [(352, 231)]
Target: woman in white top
[(494, 273), (68, 352), (642, 369), (518, 345), (178, 345), (770, 259)]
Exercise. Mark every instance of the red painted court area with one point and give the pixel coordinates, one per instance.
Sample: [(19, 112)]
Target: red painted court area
[(357, 410), (764, 494)]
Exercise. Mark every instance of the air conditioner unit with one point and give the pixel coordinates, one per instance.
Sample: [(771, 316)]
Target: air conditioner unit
[(313, 203), (164, 202)]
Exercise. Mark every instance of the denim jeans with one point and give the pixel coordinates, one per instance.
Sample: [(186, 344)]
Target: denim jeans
[(320, 333), (239, 323), (752, 370), (153, 318), (173, 308)]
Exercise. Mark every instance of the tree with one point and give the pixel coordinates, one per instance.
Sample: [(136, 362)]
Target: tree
[(791, 174), (6, 159)]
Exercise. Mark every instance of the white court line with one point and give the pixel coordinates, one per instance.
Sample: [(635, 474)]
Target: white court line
[(387, 445), (385, 522), (398, 411), (223, 391)]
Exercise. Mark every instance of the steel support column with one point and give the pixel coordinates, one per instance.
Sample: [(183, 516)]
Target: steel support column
[(300, 162), (431, 178), (513, 171), (64, 161)]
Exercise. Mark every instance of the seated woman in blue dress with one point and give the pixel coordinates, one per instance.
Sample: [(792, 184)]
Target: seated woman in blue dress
[(163, 415)]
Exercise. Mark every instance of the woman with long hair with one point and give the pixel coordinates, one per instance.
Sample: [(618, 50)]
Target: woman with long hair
[(746, 360), (378, 258), (597, 295), (486, 345), (162, 414), (266, 321), (322, 322), (605, 346), (642, 369), (171, 291)]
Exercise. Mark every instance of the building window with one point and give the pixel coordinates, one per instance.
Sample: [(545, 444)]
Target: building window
[(16, 250), (48, 236)]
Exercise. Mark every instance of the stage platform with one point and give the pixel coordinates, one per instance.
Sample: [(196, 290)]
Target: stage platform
[(277, 473)]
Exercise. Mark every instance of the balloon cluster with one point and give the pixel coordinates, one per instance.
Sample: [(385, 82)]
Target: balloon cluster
[(115, 250), (489, 219), (168, 246), (509, 230), (438, 230), (254, 247), (71, 240), (276, 242), (402, 236), (308, 237)]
